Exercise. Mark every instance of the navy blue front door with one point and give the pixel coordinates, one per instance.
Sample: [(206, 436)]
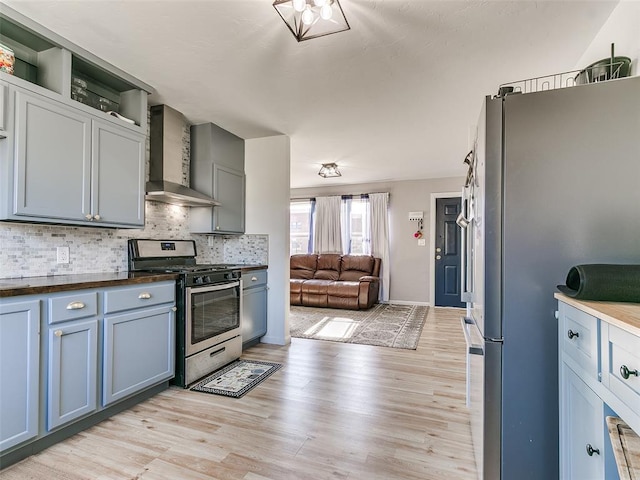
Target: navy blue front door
[(447, 254)]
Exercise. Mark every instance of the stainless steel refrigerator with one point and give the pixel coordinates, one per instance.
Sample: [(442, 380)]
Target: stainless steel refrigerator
[(555, 183)]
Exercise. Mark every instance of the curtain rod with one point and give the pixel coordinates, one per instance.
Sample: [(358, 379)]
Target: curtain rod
[(336, 195)]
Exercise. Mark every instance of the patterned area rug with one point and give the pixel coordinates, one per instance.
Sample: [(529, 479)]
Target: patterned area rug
[(237, 378), (385, 325)]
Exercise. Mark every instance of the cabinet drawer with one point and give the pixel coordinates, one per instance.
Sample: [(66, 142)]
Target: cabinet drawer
[(71, 307), (127, 298), (620, 359), (579, 337), (254, 278)]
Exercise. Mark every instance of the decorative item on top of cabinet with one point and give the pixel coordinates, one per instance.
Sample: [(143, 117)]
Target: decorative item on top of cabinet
[(217, 170), (254, 306)]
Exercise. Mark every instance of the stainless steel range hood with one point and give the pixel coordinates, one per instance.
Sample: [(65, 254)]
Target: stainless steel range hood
[(165, 169)]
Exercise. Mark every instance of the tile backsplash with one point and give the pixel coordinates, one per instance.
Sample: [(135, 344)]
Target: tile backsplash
[(30, 250)]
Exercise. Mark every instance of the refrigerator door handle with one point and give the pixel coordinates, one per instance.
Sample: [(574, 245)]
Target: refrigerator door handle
[(463, 223), (472, 349)]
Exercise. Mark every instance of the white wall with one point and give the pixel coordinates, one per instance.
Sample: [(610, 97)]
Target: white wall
[(623, 29), (410, 277), (267, 166)]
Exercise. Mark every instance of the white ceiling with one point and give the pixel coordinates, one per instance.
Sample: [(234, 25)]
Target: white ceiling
[(394, 98)]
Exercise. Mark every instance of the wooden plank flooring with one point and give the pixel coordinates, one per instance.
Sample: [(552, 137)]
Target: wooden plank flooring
[(334, 411)]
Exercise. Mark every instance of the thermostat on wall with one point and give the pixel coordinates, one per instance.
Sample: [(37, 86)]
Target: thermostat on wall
[(413, 216)]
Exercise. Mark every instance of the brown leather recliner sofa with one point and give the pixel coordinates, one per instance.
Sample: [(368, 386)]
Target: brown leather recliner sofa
[(335, 281)]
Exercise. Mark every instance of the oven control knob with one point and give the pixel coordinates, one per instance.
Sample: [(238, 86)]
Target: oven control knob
[(207, 279), (198, 280)]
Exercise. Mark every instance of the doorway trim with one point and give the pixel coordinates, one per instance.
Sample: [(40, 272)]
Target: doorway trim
[(432, 241)]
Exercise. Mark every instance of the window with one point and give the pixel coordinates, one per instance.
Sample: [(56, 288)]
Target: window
[(354, 219), (300, 226)]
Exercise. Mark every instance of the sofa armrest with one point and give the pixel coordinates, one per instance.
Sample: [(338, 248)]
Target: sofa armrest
[(369, 278)]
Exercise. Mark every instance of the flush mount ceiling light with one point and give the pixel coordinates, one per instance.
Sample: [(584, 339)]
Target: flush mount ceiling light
[(312, 18), (329, 170)]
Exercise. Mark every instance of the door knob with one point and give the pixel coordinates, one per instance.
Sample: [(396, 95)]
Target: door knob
[(572, 334), (626, 373), (591, 450)]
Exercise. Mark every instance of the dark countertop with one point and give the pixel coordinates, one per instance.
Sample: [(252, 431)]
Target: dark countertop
[(248, 268), (11, 287)]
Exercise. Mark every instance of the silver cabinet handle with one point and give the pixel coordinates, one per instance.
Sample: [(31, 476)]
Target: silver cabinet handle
[(75, 306), (97, 217), (174, 309), (58, 333), (144, 296), (254, 279), (88, 216)]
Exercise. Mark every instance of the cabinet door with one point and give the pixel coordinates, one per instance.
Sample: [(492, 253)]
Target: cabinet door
[(582, 426), (228, 189), (19, 371), (117, 175), (254, 313), (138, 352), (72, 371), (4, 91), (53, 157)]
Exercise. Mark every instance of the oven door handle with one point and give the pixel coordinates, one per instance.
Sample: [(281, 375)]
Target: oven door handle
[(213, 288)]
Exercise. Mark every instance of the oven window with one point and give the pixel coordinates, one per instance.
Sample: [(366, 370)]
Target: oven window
[(213, 313)]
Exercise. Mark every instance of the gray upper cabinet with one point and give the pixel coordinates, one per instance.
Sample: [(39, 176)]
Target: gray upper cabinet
[(93, 169), (117, 184), (4, 91), (217, 169), (64, 158), (19, 371), (53, 159)]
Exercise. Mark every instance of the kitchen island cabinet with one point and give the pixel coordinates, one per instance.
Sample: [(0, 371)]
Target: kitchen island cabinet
[(254, 306), (599, 363), (19, 371)]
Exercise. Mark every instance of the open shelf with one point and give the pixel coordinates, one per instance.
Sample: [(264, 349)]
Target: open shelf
[(45, 59)]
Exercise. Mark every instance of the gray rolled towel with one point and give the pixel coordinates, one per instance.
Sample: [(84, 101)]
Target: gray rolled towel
[(604, 282)]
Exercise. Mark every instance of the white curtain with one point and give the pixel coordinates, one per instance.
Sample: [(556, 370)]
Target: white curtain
[(327, 234), (379, 205)]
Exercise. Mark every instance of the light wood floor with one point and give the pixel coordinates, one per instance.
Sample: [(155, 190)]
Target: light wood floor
[(334, 411)]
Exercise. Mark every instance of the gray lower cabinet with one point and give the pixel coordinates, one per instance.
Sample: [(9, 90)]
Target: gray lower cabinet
[(19, 371), (254, 306), (72, 373), (98, 347), (138, 351), (94, 170)]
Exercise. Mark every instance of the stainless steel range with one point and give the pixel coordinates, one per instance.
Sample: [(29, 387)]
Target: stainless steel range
[(209, 301)]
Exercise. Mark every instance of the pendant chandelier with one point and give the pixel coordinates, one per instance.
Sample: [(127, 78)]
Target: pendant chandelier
[(329, 170), (308, 19)]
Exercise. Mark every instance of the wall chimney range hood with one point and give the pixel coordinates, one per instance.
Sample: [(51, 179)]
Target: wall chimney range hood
[(165, 166)]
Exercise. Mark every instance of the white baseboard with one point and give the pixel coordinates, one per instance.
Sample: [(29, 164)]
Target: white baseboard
[(404, 302)]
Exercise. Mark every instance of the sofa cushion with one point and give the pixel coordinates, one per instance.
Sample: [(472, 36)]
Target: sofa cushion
[(303, 265), (355, 266), (328, 267), (343, 289)]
